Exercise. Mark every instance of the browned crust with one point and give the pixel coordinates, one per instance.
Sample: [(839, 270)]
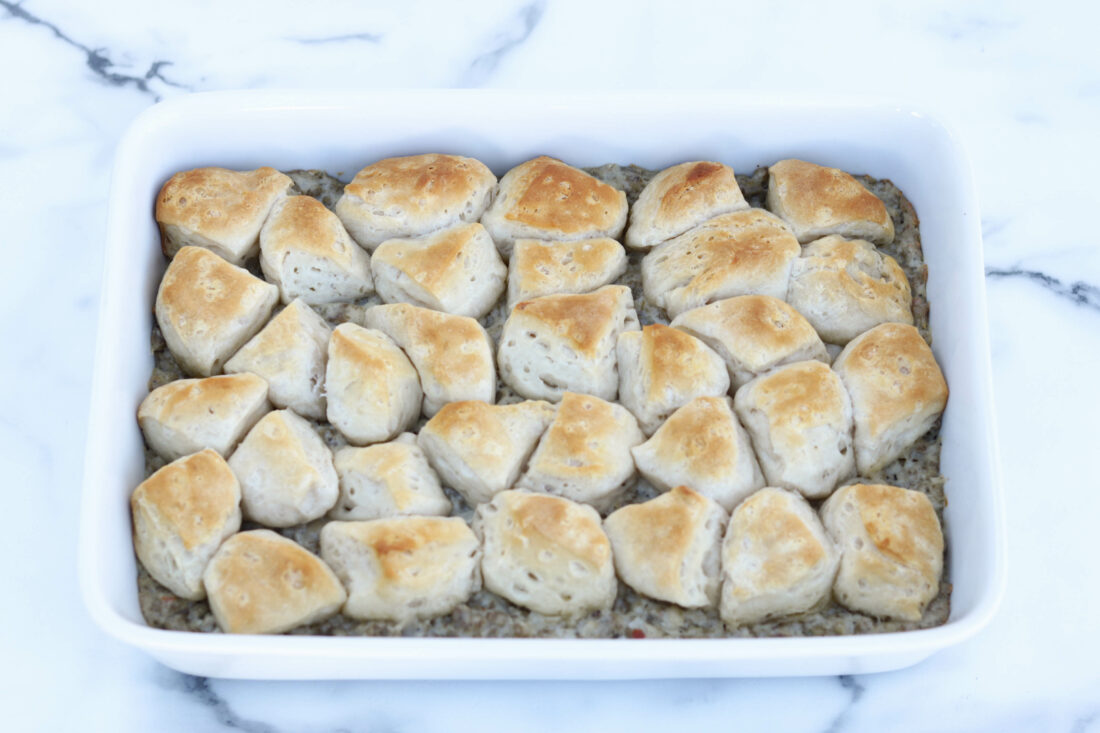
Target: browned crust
[(194, 495), (556, 196)]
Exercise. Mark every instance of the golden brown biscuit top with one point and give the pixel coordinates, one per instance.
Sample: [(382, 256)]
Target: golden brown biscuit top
[(195, 495), (557, 196), (582, 320), (817, 195), (575, 444), (215, 201), (667, 525), (759, 325), (788, 546), (858, 269), (432, 261), (190, 398), (673, 360), (541, 521), (421, 184), (454, 347), (893, 373), (800, 396), (388, 462), (203, 292), (701, 434), (303, 223), (542, 264), (902, 525), (703, 182), (371, 351), (400, 545)]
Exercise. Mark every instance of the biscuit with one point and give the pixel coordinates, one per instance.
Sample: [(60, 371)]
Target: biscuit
[(702, 445), (800, 420), (891, 548), (218, 209), (403, 568), (290, 353), (452, 354), (845, 287), (776, 559), (559, 343), (181, 514), (662, 369), (285, 470), (188, 415), (373, 389), (262, 583), (207, 309), (668, 548), (455, 270), (897, 390), (679, 198), (743, 253), (546, 199), (539, 268), (545, 553), (387, 480), (307, 253), (752, 334), (413, 195), (816, 200), (479, 449), (584, 455)]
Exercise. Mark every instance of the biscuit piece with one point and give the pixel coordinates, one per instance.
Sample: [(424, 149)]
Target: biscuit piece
[(560, 343), (218, 209), (403, 568), (181, 514), (667, 548), (452, 354), (897, 389), (547, 268), (305, 250), (479, 449), (752, 334), (290, 353), (662, 369), (207, 308), (800, 420), (545, 553), (387, 480), (285, 470), (743, 253), (816, 200), (681, 197), (702, 445), (546, 199), (455, 270), (891, 548), (585, 453), (414, 195), (262, 583), (844, 287), (776, 559), (373, 390), (188, 415)]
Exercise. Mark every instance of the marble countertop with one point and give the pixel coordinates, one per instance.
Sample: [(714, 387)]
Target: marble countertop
[(1020, 80)]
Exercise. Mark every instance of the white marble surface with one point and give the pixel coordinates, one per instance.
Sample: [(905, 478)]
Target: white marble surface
[(1022, 82)]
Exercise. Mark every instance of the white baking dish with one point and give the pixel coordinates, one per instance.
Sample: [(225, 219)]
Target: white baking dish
[(340, 132)]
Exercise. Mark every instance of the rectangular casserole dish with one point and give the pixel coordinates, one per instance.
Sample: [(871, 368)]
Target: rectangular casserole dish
[(341, 131)]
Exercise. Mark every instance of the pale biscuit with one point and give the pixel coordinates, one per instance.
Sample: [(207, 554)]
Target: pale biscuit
[(668, 548), (218, 209), (207, 309), (307, 253), (559, 343), (181, 514), (702, 445), (800, 420), (188, 415), (679, 198), (262, 583), (545, 553), (285, 470), (387, 480), (290, 353), (479, 449), (403, 568), (776, 559), (891, 547)]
